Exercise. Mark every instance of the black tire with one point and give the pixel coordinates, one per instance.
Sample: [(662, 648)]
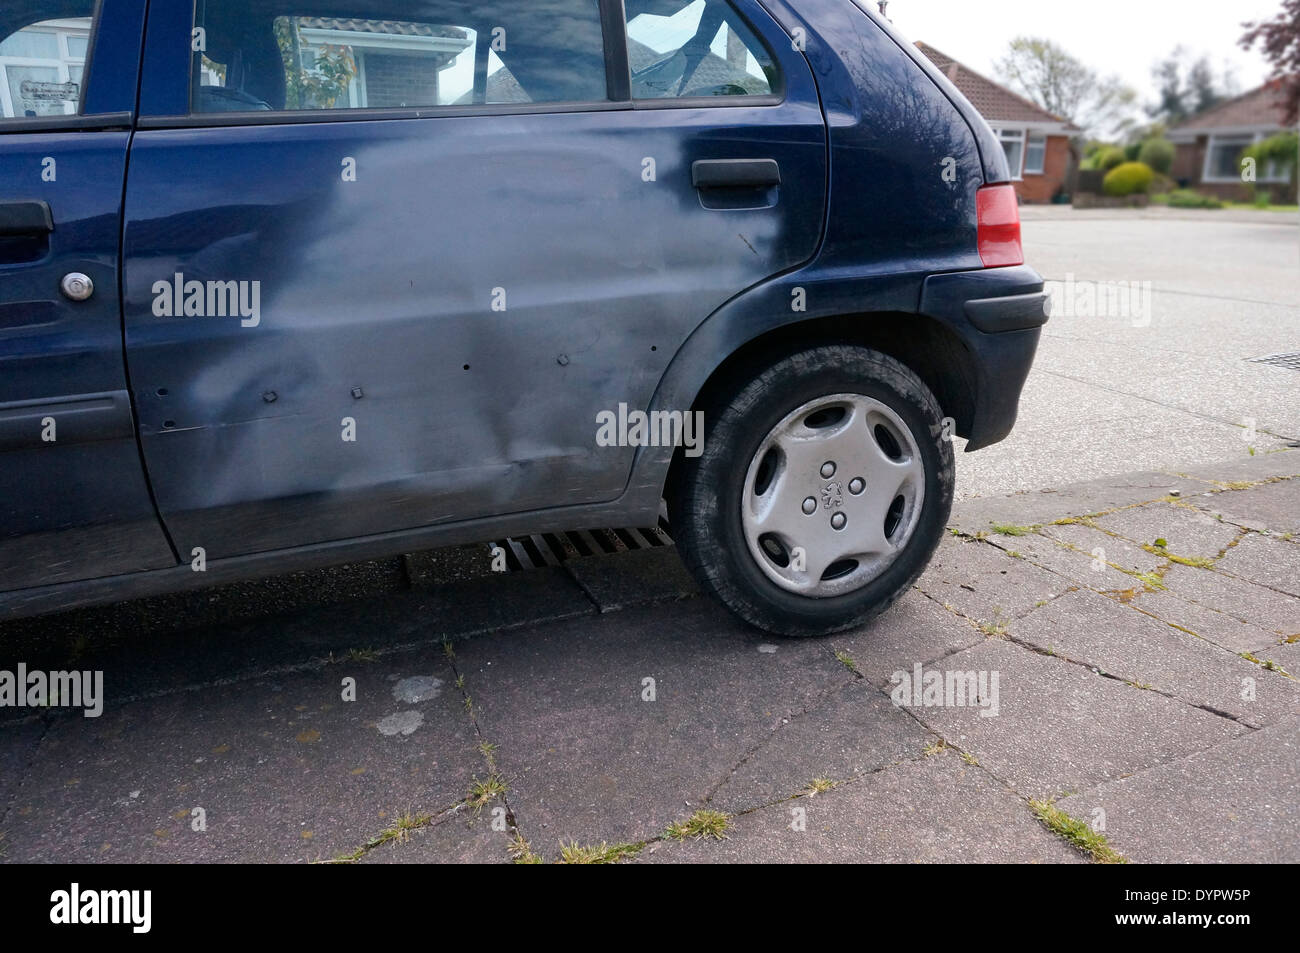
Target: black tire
[(706, 498)]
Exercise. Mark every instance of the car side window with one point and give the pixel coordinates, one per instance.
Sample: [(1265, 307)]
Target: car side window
[(269, 55), (679, 48), (43, 49)]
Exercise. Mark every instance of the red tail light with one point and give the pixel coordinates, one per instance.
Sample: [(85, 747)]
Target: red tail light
[(999, 226)]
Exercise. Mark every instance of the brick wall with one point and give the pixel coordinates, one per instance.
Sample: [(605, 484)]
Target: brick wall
[(400, 80), (1189, 164), (1037, 189)]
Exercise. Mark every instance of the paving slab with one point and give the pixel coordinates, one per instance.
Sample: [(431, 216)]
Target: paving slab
[(1060, 727), (1207, 622), (1266, 561), (856, 729), (638, 578), (458, 837), (18, 746), (1079, 565), (1243, 600), (915, 629), (934, 809), (283, 769), (588, 756), (1285, 654), (135, 668), (1274, 507), (986, 584), (1123, 553), (1233, 803), (1121, 641), (1187, 531), (1074, 499)]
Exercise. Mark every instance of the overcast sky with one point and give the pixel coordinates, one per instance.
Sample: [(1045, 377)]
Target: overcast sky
[(1123, 38)]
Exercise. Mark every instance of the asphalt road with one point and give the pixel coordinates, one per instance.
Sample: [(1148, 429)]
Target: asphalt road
[(1107, 397)]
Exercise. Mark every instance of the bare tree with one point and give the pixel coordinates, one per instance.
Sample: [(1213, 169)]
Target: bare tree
[(1044, 72)]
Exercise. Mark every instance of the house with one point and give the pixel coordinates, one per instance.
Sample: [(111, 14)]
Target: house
[(1036, 142), (41, 67), (1208, 147)]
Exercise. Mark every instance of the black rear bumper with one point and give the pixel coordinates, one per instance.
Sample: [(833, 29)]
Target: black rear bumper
[(999, 314)]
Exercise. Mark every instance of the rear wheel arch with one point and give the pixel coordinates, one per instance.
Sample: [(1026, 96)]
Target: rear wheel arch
[(926, 345)]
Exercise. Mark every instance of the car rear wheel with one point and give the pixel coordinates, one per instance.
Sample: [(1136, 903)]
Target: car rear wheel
[(822, 490)]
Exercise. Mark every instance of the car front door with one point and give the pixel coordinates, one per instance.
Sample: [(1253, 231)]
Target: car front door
[(385, 264), (74, 503)]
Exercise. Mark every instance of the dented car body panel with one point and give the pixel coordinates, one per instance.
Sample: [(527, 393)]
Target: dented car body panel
[(350, 336)]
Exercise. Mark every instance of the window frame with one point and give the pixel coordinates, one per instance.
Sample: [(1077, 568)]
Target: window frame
[(1017, 134), (63, 64), (618, 91), (1030, 135), (1244, 140)]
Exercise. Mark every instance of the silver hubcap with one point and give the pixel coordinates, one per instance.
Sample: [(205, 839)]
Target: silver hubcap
[(833, 495)]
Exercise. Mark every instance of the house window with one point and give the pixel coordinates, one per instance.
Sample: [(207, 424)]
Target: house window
[(41, 68), (1013, 144), (549, 53), (1223, 160), (1036, 153)]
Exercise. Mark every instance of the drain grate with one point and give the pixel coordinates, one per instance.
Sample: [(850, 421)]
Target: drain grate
[(552, 549), (1280, 360)]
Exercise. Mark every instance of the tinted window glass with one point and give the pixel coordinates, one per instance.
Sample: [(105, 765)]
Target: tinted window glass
[(694, 48), (42, 59), (321, 54)]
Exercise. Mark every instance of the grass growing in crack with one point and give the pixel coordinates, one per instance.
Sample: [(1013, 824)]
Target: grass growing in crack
[(573, 853), (460, 683), (847, 661), (520, 851), (818, 786), (1077, 833), (488, 750), (996, 629), (400, 831), (701, 824), (934, 748), (484, 792), (1010, 529), (970, 759), (448, 651), (1197, 562), (1077, 521), (1152, 580), (352, 655), (1265, 663)]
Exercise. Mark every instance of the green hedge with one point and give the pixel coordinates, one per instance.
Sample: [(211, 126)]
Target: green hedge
[(1130, 178), (1159, 154)]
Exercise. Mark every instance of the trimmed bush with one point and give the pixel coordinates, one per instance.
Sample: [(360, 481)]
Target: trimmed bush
[(1186, 198), (1159, 154), (1109, 158), (1130, 178)]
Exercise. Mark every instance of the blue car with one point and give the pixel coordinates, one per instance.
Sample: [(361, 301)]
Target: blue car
[(285, 285)]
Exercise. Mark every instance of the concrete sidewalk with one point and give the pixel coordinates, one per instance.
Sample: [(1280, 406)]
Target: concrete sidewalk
[(1130, 639)]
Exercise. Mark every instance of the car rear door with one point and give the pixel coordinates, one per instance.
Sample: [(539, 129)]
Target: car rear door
[(73, 499), (386, 263)]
